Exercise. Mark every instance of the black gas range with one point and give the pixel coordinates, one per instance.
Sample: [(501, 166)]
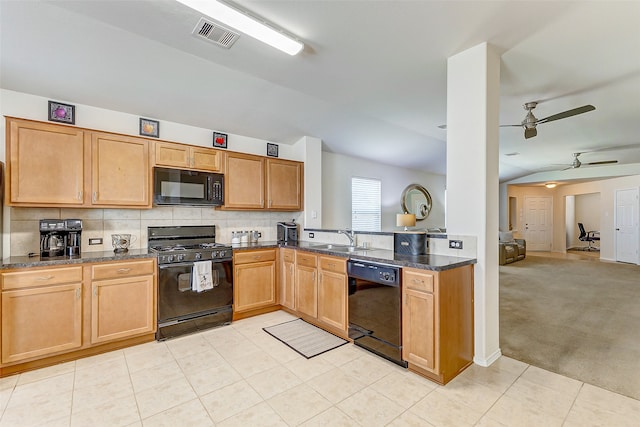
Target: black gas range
[(184, 252)]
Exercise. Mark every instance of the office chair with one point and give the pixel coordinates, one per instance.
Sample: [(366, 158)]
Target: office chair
[(589, 237)]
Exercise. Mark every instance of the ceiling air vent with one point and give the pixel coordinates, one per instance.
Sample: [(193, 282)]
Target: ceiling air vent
[(215, 33)]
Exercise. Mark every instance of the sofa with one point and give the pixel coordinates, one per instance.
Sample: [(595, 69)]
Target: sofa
[(510, 249)]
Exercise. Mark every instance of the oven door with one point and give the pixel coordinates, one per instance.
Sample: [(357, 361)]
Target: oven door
[(176, 299)]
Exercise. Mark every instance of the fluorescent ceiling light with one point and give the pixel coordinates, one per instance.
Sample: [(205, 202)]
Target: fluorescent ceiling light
[(550, 185), (244, 23)]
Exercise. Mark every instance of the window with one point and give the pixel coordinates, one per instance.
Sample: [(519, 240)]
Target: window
[(365, 204)]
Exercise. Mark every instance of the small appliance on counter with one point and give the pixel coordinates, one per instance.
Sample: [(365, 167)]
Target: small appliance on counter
[(60, 238), (121, 242), (411, 242), (288, 232)]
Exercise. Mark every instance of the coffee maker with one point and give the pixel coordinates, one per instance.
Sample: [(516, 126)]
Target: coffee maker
[(60, 238)]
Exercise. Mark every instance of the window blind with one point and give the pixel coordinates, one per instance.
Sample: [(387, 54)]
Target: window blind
[(365, 204)]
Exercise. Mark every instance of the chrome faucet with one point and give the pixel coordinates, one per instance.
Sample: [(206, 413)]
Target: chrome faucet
[(351, 235)]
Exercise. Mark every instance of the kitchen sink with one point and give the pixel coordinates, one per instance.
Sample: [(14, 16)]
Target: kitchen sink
[(339, 248)]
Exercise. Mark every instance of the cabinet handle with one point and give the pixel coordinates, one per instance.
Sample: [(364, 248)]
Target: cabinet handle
[(418, 281), (95, 291), (80, 195), (257, 257), (332, 265), (44, 278), (269, 202), (314, 276), (78, 293), (123, 270), (95, 196)]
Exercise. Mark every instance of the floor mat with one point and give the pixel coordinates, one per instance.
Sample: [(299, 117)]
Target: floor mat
[(306, 339)]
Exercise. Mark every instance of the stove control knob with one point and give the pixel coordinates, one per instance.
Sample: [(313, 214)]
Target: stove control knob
[(214, 254), (181, 257), (170, 258), (222, 254), (385, 275), (198, 255)]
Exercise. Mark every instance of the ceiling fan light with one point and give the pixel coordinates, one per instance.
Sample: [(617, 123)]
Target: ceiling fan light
[(550, 185)]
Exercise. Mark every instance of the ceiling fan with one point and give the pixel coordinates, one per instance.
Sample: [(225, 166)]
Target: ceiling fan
[(530, 121), (577, 163)]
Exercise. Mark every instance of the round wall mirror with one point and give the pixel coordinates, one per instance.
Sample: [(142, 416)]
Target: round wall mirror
[(416, 200)]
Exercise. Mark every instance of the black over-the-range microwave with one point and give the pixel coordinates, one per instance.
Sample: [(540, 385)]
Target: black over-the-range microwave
[(184, 187)]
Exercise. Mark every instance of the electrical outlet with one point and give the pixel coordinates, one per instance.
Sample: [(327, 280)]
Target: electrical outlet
[(95, 241), (259, 234), (311, 235), (455, 244)]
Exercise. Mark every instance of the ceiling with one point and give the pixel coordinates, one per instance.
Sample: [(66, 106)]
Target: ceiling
[(371, 81)]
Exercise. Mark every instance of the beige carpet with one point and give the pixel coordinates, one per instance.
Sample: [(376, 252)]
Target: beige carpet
[(578, 318)]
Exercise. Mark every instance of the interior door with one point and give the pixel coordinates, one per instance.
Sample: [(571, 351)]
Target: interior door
[(538, 223), (627, 218)]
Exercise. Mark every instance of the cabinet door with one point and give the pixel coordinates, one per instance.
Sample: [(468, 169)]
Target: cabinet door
[(254, 286), (41, 322), (170, 154), (418, 329), (122, 308), (244, 182), (284, 185), (306, 290), (332, 299), (120, 171), (46, 164), (287, 278), (206, 159)]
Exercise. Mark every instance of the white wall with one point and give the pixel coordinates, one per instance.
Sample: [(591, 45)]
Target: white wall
[(570, 220), (337, 170)]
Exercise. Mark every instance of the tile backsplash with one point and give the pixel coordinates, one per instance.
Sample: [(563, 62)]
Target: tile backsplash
[(101, 223)]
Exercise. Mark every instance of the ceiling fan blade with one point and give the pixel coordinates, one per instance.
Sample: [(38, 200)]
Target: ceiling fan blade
[(442, 126), (605, 162), (530, 133), (568, 113), (508, 126)]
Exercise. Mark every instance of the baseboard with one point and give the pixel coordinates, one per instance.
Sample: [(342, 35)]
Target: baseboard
[(489, 360)]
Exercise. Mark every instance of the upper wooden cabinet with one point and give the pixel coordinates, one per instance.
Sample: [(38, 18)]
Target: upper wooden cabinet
[(284, 185), (121, 174), (170, 154), (248, 178), (45, 164), (59, 165), (244, 182)]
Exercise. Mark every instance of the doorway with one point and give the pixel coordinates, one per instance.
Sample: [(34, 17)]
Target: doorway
[(626, 223), (538, 223)]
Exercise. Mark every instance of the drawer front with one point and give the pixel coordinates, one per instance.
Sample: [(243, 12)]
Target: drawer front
[(50, 276), (307, 259), (418, 281), (337, 265), (122, 269), (246, 257), (288, 255)]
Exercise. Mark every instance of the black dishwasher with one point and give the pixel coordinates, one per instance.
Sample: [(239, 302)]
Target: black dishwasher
[(375, 316)]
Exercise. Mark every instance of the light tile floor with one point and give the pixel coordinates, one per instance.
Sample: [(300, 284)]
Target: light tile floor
[(238, 375)]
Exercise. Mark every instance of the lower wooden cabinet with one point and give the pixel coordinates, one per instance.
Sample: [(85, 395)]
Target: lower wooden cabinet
[(306, 286), (437, 321), (41, 321), (332, 292), (254, 278), (60, 313), (122, 300), (287, 278)]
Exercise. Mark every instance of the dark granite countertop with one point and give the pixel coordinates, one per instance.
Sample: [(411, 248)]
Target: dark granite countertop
[(425, 262), (27, 262)]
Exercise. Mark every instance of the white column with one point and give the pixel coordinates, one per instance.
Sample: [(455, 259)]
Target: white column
[(473, 91), (311, 150)]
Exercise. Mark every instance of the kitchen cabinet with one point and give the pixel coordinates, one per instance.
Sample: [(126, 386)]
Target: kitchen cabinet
[(244, 182), (54, 165), (437, 321), (306, 284), (123, 300), (254, 277), (184, 156), (121, 172), (287, 278), (284, 185), (41, 312), (248, 178), (45, 164), (332, 293)]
